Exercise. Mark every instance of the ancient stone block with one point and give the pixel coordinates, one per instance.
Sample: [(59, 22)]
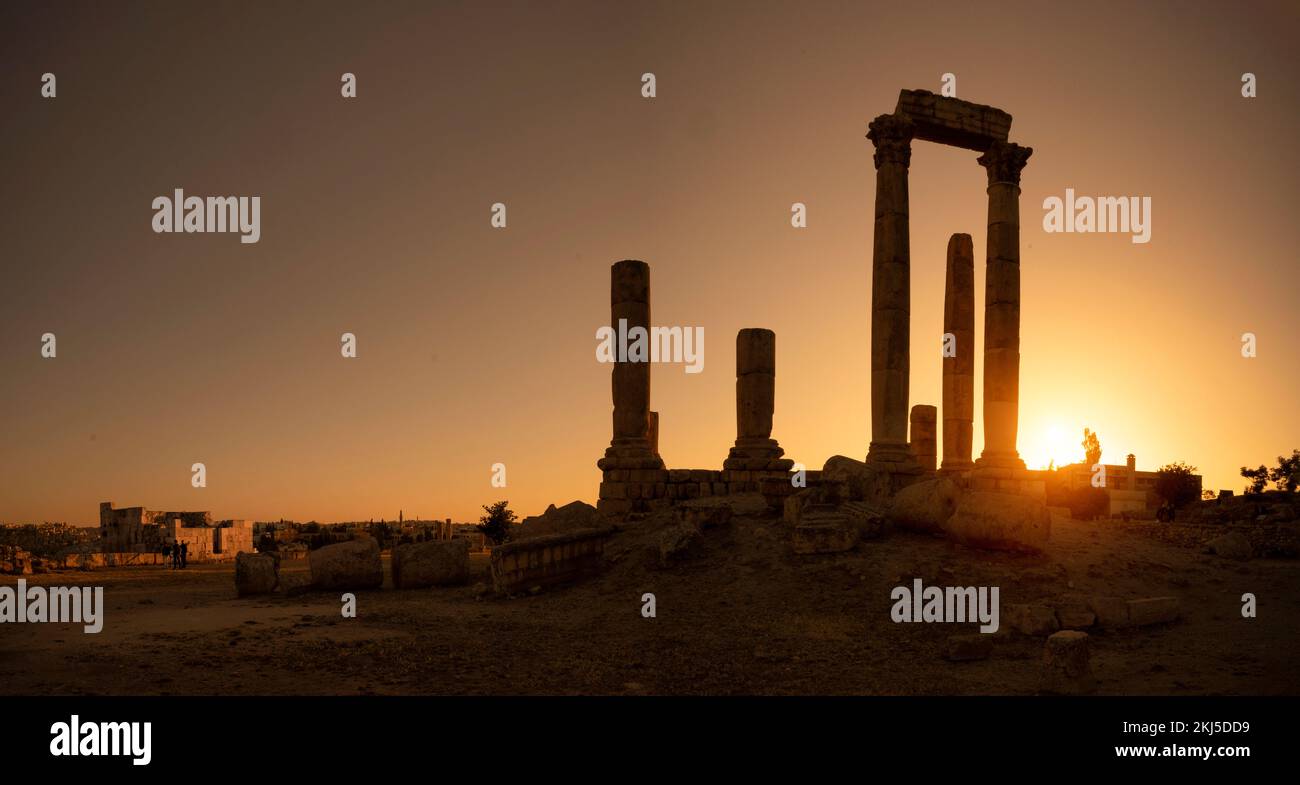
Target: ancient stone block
[(1066, 668), (1155, 610), (347, 565), (868, 519), (952, 121), (1073, 613), (435, 563), (255, 573), (925, 506), (1030, 619), (862, 481)]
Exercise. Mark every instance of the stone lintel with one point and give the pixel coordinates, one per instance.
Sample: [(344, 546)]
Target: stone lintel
[(952, 121)]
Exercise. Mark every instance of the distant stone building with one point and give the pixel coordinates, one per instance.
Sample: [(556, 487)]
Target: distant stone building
[(1129, 490), (140, 530)]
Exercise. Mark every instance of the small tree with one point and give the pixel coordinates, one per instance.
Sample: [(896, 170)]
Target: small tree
[(1258, 478), (1091, 447), (1287, 474), (495, 525), (1177, 484)]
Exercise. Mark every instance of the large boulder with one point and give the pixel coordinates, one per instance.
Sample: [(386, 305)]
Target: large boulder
[(926, 505), (255, 573), (347, 565), (435, 563), (1001, 521), (559, 520)]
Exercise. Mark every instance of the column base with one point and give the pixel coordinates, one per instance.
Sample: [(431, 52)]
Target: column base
[(893, 457), (1006, 473), (630, 453), (994, 459), (757, 455), (952, 466)]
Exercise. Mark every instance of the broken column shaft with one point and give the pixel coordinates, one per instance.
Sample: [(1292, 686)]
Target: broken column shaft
[(959, 354), (755, 448), (630, 447)]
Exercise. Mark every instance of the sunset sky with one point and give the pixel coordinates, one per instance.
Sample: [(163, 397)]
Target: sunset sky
[(477, 345)]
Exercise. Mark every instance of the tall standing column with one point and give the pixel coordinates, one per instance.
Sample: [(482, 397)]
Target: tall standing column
[(922, 437), (755, 449), (630, 448), (890, 296), (959, 358), (1004, 161)]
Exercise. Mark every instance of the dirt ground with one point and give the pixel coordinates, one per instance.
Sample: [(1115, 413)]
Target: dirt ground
[(746, 617)]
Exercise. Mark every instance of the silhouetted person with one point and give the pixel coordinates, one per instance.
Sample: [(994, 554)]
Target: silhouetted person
[(176, 557), (185, 555)]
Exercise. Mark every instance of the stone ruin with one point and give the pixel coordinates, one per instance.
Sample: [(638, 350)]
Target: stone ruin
[(993, 501), (137, 530), (635, 478)]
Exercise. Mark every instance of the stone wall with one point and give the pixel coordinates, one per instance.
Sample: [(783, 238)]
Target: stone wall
[(642, 490), (549, 560), (90, 561), (141, 529), (1023, 482), (231, 537), (199, 542)]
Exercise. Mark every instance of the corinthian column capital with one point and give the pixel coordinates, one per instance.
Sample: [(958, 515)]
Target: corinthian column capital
[(892, 136), (1004, 160)]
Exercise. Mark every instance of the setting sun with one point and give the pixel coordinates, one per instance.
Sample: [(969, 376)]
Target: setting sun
[(1050, 443)]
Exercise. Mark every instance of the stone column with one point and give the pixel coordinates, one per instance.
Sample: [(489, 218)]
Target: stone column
[(755, 449), (630, 447), (1004, 161), (959, 363), (890, 296), (923, 435)]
